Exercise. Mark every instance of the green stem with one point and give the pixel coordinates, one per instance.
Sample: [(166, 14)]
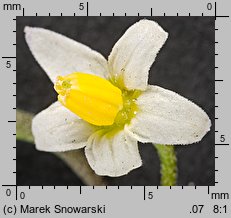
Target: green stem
[(23, 126), (167, 164), (75, 159)]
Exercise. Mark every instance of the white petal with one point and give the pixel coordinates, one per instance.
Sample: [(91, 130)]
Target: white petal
[(134, 53), (58, 129), (112, 155), (59, 55), (168, 118)]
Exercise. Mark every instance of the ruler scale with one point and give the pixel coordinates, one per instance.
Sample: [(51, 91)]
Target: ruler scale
[(114, 201)]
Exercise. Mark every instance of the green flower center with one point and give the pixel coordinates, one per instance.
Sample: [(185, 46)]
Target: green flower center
[(127, 113)]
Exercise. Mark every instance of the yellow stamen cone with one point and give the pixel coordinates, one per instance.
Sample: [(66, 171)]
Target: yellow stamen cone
[(92, 98)]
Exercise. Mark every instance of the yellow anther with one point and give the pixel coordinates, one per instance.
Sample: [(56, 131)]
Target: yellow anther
[(92, 98)]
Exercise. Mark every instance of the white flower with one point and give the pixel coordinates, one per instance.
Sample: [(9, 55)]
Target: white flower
[(162, 116)]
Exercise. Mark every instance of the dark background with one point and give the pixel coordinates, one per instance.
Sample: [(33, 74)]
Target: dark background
[(184, 65)]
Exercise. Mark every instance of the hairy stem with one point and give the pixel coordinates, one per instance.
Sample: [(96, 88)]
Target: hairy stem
[(75, 159), (23, 126), (168, 164)]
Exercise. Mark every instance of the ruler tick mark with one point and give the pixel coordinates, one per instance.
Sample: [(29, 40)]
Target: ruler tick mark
[(87, 8), (8, 57), (224, 16), (215, 10), (222, 144), (144, 192), (16, 193)]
